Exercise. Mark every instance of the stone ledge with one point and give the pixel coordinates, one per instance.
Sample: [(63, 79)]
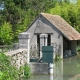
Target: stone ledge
[(24, 35)]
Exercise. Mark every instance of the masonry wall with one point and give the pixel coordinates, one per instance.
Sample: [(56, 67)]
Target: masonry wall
[(19, 57)]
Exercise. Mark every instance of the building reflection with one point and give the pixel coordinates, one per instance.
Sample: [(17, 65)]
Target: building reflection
[(70, 68), (66, 69), (51, 77), (58, 70)]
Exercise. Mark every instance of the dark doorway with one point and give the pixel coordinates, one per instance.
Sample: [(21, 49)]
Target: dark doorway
[(66, 45), (38, 43), (49, 40)]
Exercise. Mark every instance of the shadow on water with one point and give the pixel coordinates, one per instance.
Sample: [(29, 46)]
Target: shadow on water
[(67, 69)]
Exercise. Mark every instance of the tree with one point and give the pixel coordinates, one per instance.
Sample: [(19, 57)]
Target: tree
[(70, 12), (6, 34)]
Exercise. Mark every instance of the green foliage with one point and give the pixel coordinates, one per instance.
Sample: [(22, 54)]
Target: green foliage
[(7, 71), (27, 72), (24, 72), (78, 78), (21, 13), (69, 11), (57, 57), (6, 34), (78, 48), (1, 74), (10, 72)]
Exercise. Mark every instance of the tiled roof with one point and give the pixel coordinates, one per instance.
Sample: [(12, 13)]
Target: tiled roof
[(62, 26)]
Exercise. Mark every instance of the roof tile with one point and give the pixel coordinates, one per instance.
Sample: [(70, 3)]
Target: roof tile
[(62, 26)]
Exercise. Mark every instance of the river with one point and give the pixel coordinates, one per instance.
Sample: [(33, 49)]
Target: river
[(66, 69)]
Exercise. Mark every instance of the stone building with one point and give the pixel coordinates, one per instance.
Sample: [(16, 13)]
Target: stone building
[(51, 30)]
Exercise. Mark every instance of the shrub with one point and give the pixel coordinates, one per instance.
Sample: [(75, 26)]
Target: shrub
[(10, 72), (6, 34), (27, 71), (57, 57)]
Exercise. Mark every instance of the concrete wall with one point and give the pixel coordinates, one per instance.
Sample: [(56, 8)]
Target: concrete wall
[(48, 28), (43, 68), (39, 68)]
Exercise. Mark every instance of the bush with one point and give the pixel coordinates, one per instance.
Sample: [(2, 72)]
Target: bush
[(57, 57), (6, 34), (24, 72), (10, 72), (78, 48), (7, 71), (27, 71)]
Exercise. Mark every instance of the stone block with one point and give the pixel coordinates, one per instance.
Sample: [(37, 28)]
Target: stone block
[(24, 35)]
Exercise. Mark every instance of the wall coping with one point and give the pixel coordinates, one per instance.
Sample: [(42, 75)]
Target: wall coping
[(24, 35), (15, 52)]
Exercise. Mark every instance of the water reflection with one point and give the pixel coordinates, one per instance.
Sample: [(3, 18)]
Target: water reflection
[(42, 77), (62, 70), (58, 70), (51, 77), (69, 68)]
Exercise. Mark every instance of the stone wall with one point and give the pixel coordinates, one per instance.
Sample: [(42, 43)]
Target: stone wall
[(18, 57)]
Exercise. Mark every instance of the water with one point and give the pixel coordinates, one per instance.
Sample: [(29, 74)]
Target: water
[(67, 69)]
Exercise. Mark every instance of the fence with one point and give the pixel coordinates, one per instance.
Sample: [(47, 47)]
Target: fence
[(56, 48), (7, 48), (34, 51)]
